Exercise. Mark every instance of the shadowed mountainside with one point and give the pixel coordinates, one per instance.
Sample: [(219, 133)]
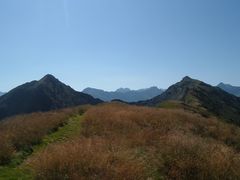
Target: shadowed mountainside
[(46, 94), (201, 96)]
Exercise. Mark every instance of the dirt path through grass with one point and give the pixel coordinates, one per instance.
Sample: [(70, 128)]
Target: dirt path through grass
[(17, 171)]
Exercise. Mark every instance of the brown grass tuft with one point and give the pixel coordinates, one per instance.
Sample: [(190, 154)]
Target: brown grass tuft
[(87, 159)]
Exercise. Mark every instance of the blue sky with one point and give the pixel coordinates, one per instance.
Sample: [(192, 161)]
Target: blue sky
[(119, 43)]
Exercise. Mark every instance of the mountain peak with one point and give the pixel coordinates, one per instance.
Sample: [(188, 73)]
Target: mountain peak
[(187, 81), (221, 83), (230, 89), (225, 85), (187, 78), (46, 94), (202, 97), (48, 78), (123, 90)]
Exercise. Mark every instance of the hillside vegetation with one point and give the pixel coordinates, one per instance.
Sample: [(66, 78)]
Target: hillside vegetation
[(18, 135), (200, 97), (126, 142)]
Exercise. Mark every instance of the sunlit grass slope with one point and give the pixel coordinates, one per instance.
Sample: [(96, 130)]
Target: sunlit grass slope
[(126, 142), (48, 128)]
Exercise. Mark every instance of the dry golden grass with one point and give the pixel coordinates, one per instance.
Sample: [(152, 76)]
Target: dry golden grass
[(87, 159), (22, 132), (127, 142)]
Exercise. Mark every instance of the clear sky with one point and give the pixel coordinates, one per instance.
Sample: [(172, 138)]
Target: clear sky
[(119, 43)]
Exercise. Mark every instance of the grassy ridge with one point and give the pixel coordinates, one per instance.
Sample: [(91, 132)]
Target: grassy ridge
[(125, 142), (117, 141), (71, 129), (17, 171), (66, 125), (20, 133)]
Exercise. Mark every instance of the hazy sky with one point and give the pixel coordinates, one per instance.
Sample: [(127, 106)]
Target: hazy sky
[(119, 43)]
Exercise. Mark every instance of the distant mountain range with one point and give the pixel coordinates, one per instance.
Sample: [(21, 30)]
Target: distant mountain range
[(201, 97), (124, 94), (230, 89), (49, 93), (1, 93), (46, 94)]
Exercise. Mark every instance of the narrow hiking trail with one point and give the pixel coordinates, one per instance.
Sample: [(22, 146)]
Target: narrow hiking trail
[(18, 170)]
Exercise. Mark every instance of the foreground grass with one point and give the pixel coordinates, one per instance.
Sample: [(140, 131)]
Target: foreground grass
[(117, 141), (135, 143), (14, 170), (17, 170), (15, 173), (71, 129)]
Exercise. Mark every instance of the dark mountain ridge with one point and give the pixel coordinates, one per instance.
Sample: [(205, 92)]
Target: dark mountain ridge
[(46, 94), (124, 94), (201, 96)]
